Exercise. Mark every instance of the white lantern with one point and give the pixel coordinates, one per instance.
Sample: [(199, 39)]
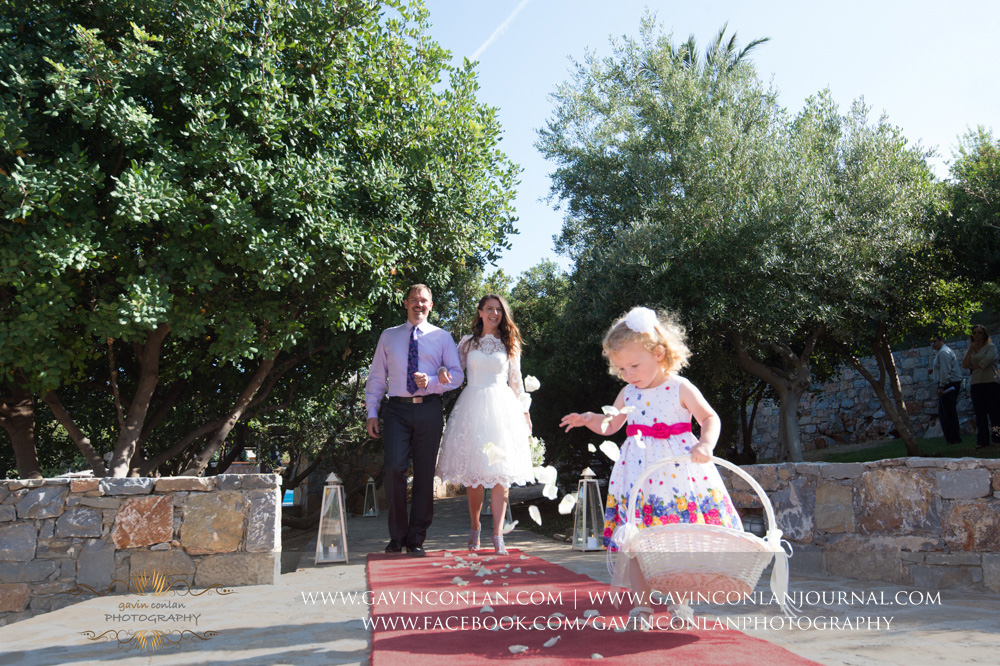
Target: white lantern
[(331, 542), (754, 524), (588, 515), (371, 500)]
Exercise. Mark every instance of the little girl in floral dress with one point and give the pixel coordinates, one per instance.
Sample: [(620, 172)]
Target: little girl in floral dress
[(647, 350)]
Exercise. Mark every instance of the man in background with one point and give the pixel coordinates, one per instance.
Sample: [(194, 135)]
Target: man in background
[(948, 374)]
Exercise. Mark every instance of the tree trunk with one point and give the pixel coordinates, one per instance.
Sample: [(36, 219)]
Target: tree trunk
[(200, 462), (747, 456), (230, 456), (77, 435), (788, 422), (789, 383), (149, 376), (895, 406), (17, 416), (903, 423)]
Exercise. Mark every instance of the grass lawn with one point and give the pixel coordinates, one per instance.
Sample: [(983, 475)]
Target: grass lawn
[(931, 448)]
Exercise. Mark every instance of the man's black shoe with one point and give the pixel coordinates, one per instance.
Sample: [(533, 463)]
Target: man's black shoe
[(394, 547), (415, 551)]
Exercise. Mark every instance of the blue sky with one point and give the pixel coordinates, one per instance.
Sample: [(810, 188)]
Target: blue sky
[(931, 66)]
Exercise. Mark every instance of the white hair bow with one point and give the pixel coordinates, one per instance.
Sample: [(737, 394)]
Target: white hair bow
[(641, 320)]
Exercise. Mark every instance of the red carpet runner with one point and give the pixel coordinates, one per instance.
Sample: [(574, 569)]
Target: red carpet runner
[(446, 609)]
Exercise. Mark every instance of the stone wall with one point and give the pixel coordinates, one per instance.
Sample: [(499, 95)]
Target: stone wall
[(845, 410), (929, 523), (57, 535)]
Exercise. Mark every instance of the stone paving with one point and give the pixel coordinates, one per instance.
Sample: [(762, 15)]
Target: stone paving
[(272, 625)]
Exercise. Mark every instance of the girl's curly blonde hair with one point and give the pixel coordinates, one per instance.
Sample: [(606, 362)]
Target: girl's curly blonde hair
[(666, 334)]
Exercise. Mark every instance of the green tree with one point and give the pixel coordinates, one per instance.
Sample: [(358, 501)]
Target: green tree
[(690, 188), (882, 197), (225, 195), (970, 226)]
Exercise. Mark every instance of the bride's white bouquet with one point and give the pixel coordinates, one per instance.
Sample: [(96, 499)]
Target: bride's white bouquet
[(537, 451)]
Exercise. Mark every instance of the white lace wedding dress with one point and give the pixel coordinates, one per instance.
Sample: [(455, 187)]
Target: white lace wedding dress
[(489, 411)]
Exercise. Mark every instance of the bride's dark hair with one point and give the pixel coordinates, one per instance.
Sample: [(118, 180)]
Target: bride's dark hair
[(507, 331)]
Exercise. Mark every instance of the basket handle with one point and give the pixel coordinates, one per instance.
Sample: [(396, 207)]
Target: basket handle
[(664, 462)]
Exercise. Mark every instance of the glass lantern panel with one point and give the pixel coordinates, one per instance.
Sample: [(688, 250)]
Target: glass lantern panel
[(331, 542), (596, 515), (371, 501), (580, 519)]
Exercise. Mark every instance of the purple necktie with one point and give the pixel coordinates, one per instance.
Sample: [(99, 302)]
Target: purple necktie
[(411, 363)]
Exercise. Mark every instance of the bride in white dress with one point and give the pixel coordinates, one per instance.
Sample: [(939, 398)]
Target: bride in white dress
[(485, 442)]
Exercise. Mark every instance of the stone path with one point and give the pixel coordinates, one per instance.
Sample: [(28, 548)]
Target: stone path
[(272, 625)]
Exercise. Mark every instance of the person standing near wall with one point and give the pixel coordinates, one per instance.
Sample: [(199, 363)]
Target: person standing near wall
[(981, 359), (948, 374)]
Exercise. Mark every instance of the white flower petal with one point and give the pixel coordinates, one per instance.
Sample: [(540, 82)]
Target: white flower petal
[(508, 528), (552, 641), (605, 424), (640, 441), (550, 491), (591, 613), (610, 411), (546, 475), (487, 582), (517, 649), (535, 514), (557, 615), (486, 609), (610, 449), (531, 383), (516, 570), (597, 656), (524, 557), (627, 410), (591, 448), (567, 504)]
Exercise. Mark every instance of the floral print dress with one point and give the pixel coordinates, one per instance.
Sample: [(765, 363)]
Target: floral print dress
[(680, 493)]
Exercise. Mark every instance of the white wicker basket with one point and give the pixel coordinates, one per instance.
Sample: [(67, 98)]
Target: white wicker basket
[(686, 560)]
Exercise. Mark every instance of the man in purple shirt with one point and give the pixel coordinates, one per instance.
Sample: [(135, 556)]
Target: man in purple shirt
[(407, 362)]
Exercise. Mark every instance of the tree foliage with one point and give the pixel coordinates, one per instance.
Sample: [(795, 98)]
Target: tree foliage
[(687, 186), (216, 194), (970, 226)]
